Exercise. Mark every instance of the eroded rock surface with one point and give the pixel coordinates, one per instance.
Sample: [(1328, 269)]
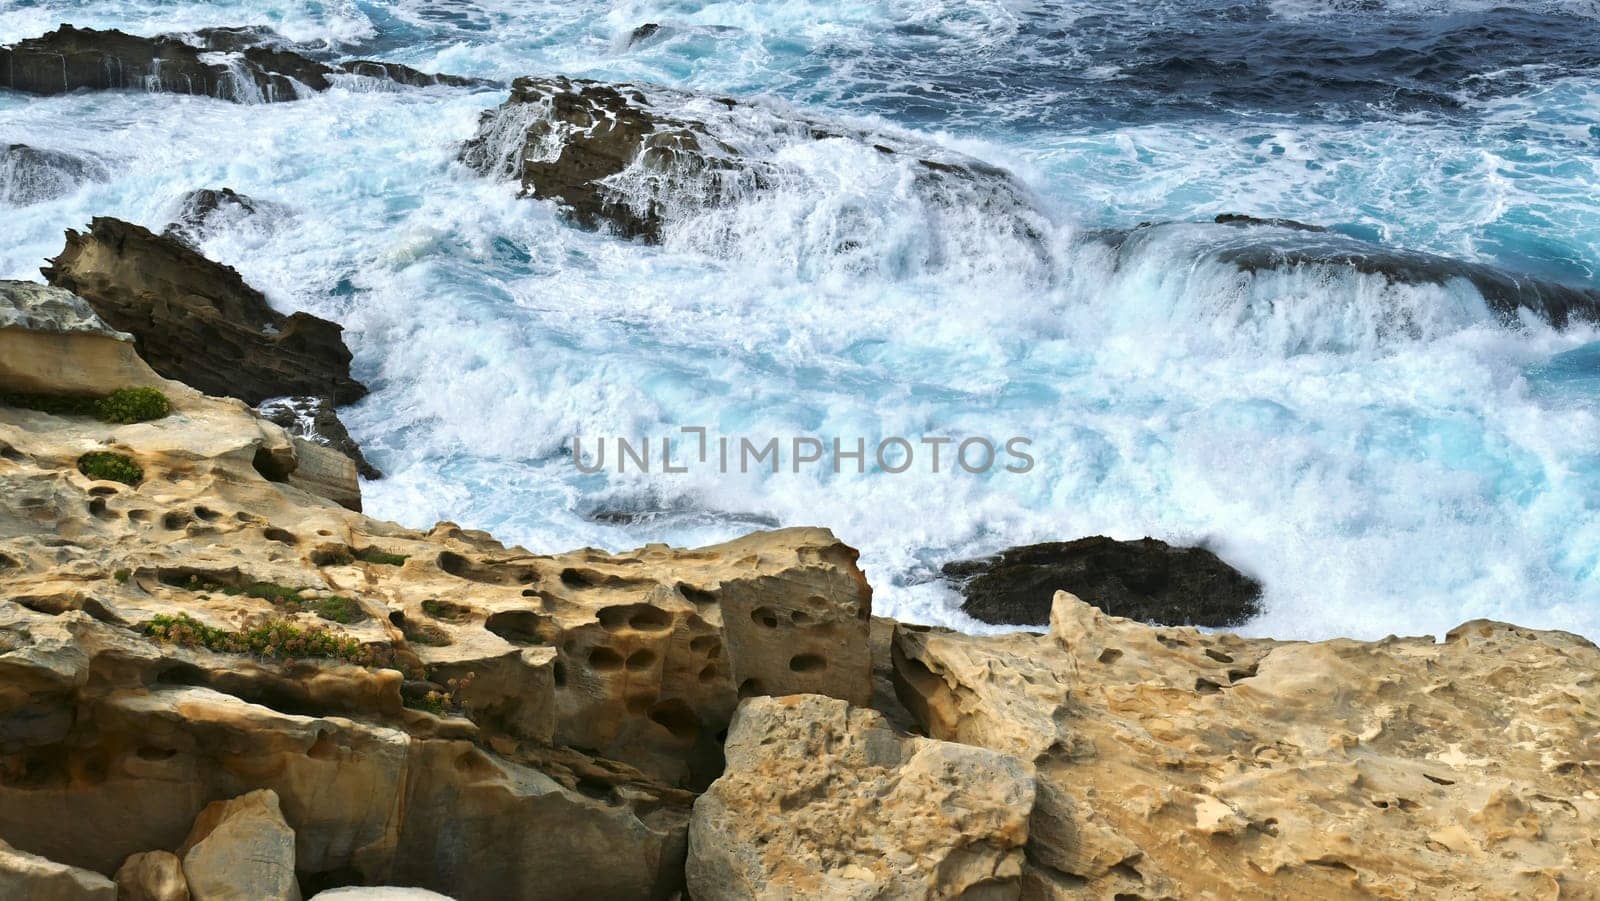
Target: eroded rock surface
[(1175, 763), (241, 65), (1147, 580), (822, 800)]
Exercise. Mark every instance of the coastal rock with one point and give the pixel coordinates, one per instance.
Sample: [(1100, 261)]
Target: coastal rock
[(197, 321), (52, 342), (243, 66), (241, 849), (822, 800), (30, 876), (1146, 580), (152, 876), (315, 420), (33, 174), (205, 211), (1173, 762), (641, 160)]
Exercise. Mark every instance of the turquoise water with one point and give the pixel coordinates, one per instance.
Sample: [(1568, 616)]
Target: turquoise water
[(1384, 457)]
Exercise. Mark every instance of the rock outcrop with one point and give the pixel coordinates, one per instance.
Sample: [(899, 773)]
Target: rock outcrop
[(1147, 580), (637, 159), (821, 800), (241, 65), (1173, 762), (316, 420), (30, 876), (205, 211), (33, 174), (152, 876), (197, 321)]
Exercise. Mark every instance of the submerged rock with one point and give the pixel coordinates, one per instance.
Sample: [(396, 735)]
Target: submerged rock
[(197, 321), (206, 211), (1146, 580), (32, 174), (638, 159), (241, 65)]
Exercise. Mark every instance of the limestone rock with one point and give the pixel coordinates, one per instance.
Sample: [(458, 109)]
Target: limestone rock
[(1173, 762), (53, 342), (824, 801), (1147, 580), (314, 419), (241, 849), (198, 321), (230, 64), (31, 877), (152, 876)]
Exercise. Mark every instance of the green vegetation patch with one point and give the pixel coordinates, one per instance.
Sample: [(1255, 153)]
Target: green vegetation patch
[(381, 557), (122, 406), (335, 608), (273, 638), (111, 467)]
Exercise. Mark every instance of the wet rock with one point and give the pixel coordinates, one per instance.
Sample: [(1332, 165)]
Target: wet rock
[(1244, 220), (822, 800), (33, 174), (241, 65), (314, 419), (643, 33), (197, 321), (635, 159), (206, 211), (1146, 580)]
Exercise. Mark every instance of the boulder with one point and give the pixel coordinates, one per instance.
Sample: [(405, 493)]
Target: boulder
[(240, 65), (34, 174), (152, 876), (639, 159), (205, 211), (241, 849), (1147, 580), (314, 419), (31, 877), (197, 321), (824, 800)]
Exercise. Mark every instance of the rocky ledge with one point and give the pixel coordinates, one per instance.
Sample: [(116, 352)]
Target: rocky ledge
[(215, 681), (244, 65), (637, 159)]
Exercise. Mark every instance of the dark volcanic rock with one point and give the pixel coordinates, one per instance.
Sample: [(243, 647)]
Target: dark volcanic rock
[(242, 65), (632, 157), (314, 419), (1147, 580), (31, 174), (206, 211), (197, 321), (1242, 219)]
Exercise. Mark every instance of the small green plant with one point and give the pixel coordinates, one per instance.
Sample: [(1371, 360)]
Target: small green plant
[(275, 638), (382, 557), (337, 609), (129, 405), (444, 610), (122, 576), (110, 467), (122, 406), (440, 703)]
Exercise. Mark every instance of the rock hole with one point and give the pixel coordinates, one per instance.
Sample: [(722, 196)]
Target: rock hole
[(333, 555), (1235, 675), (639, 661), (710, 674), (176, 520), (807, 663), (605, 660), (282, 536), (1206, 686), (697, 596), (558, 672), (324, 748), (103, 490), (800, 618), (139, 515), (643, 617), (765, 616), (521, 627), (97, 508), (152, 752), (749, 688), (705, 644), (677, 718), (1439, 780), (273, 467), (207, 514), (1218, 656), (577, 578), (1110, 655)]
